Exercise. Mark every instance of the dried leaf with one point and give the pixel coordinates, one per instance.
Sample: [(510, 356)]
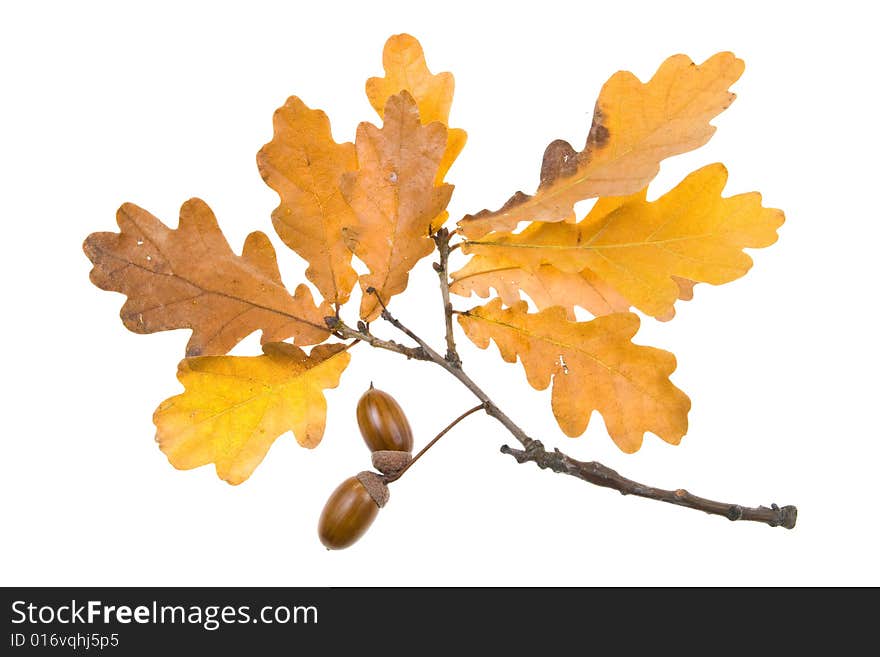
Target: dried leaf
[(593, 366), (636, 246), (190, 278), (394, 198), (407, 70), (635, 126), (304, 165), (546, 285), (234, 407)]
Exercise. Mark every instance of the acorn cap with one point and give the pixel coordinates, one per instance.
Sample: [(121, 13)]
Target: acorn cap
[(390, 461), (375, 487)]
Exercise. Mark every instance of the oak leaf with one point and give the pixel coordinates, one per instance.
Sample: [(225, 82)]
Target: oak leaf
[(637, 247), (304, 165), (592, 365), (635, 126), (407, 70), (394, 198), (234, 407), (188, 277), (546, 285)]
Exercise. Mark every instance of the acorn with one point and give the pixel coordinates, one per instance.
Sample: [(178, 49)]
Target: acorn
[(383, 423), (351, 509)]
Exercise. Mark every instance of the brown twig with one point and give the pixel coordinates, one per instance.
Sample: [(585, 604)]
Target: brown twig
[(600, 475), (442, 268), (457, 372), (533, 450), (397, 475), (343, 331)]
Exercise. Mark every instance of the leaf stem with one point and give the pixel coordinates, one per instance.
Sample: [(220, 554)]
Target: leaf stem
[(389, 478)]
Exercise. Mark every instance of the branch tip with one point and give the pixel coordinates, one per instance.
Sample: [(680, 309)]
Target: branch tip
[(595, 473)]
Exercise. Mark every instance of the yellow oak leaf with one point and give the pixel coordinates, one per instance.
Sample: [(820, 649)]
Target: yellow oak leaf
[(234, 407), (394, 198), (637, 247), (635, 126), (304, 165), (190, 278), (594, 366), (407, 70)]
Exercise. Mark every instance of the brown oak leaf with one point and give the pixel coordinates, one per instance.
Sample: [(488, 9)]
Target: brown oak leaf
[(394, 198), (188, 277), (304, 165)]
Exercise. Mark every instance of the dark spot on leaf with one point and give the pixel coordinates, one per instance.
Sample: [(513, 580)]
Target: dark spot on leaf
[(560, 161), (599, 134)]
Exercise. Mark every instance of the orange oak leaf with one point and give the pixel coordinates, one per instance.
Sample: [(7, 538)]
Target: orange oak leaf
[(593, 366), (234, 407), (546, 285), (394, 198), (637, 247), (635, 126), (188, 277), (407, 70), (304, 165)]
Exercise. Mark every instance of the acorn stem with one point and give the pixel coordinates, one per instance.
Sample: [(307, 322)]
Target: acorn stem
[(397, 475)]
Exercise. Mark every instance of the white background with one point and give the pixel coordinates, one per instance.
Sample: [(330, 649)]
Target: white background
[(155, 103)]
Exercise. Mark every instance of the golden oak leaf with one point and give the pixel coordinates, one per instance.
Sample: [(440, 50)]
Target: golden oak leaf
[(190, 278), (636, 246), (593, 366), (546, 285), (635, 126), (234, 407), (304, 165), (407, 70), (394, 198)]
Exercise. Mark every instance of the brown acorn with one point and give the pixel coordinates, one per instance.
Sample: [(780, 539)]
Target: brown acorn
[(351, 509), (383, 423)]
